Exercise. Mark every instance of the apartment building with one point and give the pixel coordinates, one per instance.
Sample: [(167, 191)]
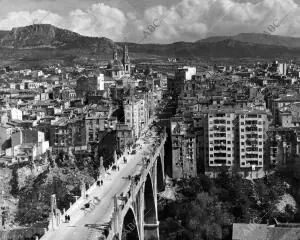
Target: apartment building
[(67, 133), (136, 113), (252, 135), (221, 137), (234, 139), (95, 122)]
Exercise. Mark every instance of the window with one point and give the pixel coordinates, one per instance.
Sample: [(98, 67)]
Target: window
[(228, 155), (228, 149), (259, 136), (228, 122), (242, 123), (242, 130), (211, 149), (260, 149), (211, 155), (259, 143), (228, 129), (228, 142)]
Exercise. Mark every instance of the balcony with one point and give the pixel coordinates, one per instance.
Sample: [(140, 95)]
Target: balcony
[(251, 149), (220, 142), (252, 156), (217, 121), (220, 148), (251, 129), (220, 161), (220, 155), (220, 135), (251, 123)]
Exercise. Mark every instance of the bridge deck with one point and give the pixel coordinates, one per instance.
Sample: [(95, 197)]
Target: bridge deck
[(88, 226)]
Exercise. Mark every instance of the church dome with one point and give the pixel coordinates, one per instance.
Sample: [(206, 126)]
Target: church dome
[(115, 65)]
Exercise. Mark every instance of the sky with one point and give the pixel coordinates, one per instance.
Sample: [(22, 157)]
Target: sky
[(156, 21)]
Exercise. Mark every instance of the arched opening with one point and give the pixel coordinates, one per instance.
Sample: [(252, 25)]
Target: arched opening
[(129, 229), (150, 220), (160, 176), (116, 237), (149, 210)]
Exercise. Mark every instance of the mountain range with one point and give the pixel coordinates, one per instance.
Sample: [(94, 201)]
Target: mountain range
[(45, 41)]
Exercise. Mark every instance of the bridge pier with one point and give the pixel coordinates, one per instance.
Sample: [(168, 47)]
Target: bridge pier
[(151, 231)]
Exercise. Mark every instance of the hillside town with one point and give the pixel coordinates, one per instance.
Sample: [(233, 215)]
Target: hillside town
[(242, 119)]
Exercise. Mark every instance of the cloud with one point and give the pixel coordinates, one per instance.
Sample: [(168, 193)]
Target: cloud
[(191, 20), (187, 20), (98, 20), (23, 18)]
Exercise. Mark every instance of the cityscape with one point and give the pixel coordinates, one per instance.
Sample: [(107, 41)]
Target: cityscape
[(172, 120)]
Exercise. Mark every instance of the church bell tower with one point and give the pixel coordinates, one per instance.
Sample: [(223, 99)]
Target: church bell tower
[(126, 60)]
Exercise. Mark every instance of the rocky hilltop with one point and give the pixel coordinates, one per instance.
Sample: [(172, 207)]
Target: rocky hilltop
[(48, 36)]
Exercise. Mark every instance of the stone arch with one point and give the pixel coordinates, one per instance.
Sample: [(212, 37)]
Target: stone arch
[(116, 237), (129, 227), (160, 175), (150, 216), (149, 202)]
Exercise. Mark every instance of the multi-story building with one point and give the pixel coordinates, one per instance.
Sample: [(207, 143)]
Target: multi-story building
[(136, 114), (221, 137), (95, 123), (68, 133), (252, 135), (89, 84), (124, 136), (232, 138)]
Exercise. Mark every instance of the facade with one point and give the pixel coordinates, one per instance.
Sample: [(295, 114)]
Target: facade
[(95, 122), (136, 114), (124, 136), (221, 138), (252, 136), (231, 138), (67, 133), (89, 84)]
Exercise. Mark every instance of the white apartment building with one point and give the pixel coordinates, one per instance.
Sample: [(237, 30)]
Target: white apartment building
[(235, 139), (221, 137), (251, 145)]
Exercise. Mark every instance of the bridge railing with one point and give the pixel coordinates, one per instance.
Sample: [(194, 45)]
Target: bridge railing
[(134, 188), (54, 223)]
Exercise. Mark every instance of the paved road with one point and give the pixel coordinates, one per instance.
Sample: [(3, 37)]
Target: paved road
[(113, 185)]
